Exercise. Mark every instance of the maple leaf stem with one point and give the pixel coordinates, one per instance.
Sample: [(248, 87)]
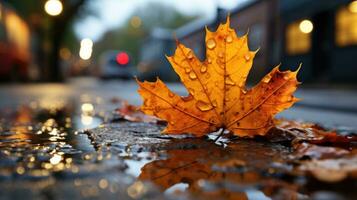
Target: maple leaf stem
[(220, 134)]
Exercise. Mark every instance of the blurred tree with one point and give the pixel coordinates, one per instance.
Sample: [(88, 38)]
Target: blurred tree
[(131, 35), (50, 32)]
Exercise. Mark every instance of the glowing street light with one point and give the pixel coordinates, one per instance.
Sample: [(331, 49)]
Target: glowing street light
[(306, 26), (85, 52), (86, 42), (53, 7)]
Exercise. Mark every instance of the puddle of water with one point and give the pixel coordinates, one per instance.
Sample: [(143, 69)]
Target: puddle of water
[(135, 166), (200, 169), (41, 139), (39, 142)]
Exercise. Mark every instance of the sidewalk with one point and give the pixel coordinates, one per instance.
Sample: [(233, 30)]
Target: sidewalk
[(328, 99)]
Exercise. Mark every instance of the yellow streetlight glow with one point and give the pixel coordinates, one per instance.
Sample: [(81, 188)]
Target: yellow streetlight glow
[(352, 7), (306, 26), (86, 42), (85, 52), (53, 7)]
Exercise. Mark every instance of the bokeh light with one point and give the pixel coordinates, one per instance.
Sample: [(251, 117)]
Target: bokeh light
[(87, 108), (55, 159), (352, 7), (306, 26), (86, 42), (65, 53), (53, 7), (86, 49), (136, 21), (122, 58)]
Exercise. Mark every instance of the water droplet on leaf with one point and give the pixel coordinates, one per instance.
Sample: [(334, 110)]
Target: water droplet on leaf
[(190, 55), (187, 70), (209, 60), (214, 103), (203, 69), (211, 43), (229, 81), (247, 57), (192, 75), (203, 106), (266, 78), (229, 39)]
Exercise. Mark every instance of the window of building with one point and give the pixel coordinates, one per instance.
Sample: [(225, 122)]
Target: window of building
[(346, 25), (298, 37)]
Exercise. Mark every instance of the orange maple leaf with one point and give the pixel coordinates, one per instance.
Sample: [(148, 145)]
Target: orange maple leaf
[(217, 94)]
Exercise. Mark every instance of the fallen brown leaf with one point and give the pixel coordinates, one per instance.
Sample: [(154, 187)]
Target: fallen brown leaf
[(217, 96)]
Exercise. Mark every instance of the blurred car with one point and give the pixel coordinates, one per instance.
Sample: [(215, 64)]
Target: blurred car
[(115, 64)]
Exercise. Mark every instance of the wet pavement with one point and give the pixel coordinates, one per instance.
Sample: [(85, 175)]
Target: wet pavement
[(331, 107), (62, 144)]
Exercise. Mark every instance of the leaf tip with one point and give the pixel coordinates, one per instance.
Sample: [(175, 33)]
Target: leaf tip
[(168, 57), (207, 30), (137, 80), (247, 33), (256, 51), (297, 99), (228, 20), (298, 69)]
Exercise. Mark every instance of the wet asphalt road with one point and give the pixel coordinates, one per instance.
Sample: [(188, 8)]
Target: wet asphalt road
[(334, 107)]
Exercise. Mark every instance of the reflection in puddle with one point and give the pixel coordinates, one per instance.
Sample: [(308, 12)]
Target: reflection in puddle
[(204, 170), (40, 139), (217, 172)]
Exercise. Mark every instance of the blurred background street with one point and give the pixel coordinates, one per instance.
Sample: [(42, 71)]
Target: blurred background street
[(97, 47), (53, 40)]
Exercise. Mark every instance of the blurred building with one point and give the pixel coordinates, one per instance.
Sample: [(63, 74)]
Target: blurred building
[(320, 34), (329, 49), (162, 42), (14, 45)]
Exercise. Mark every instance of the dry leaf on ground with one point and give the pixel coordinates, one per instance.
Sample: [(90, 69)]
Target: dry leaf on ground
[(133, 113)]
